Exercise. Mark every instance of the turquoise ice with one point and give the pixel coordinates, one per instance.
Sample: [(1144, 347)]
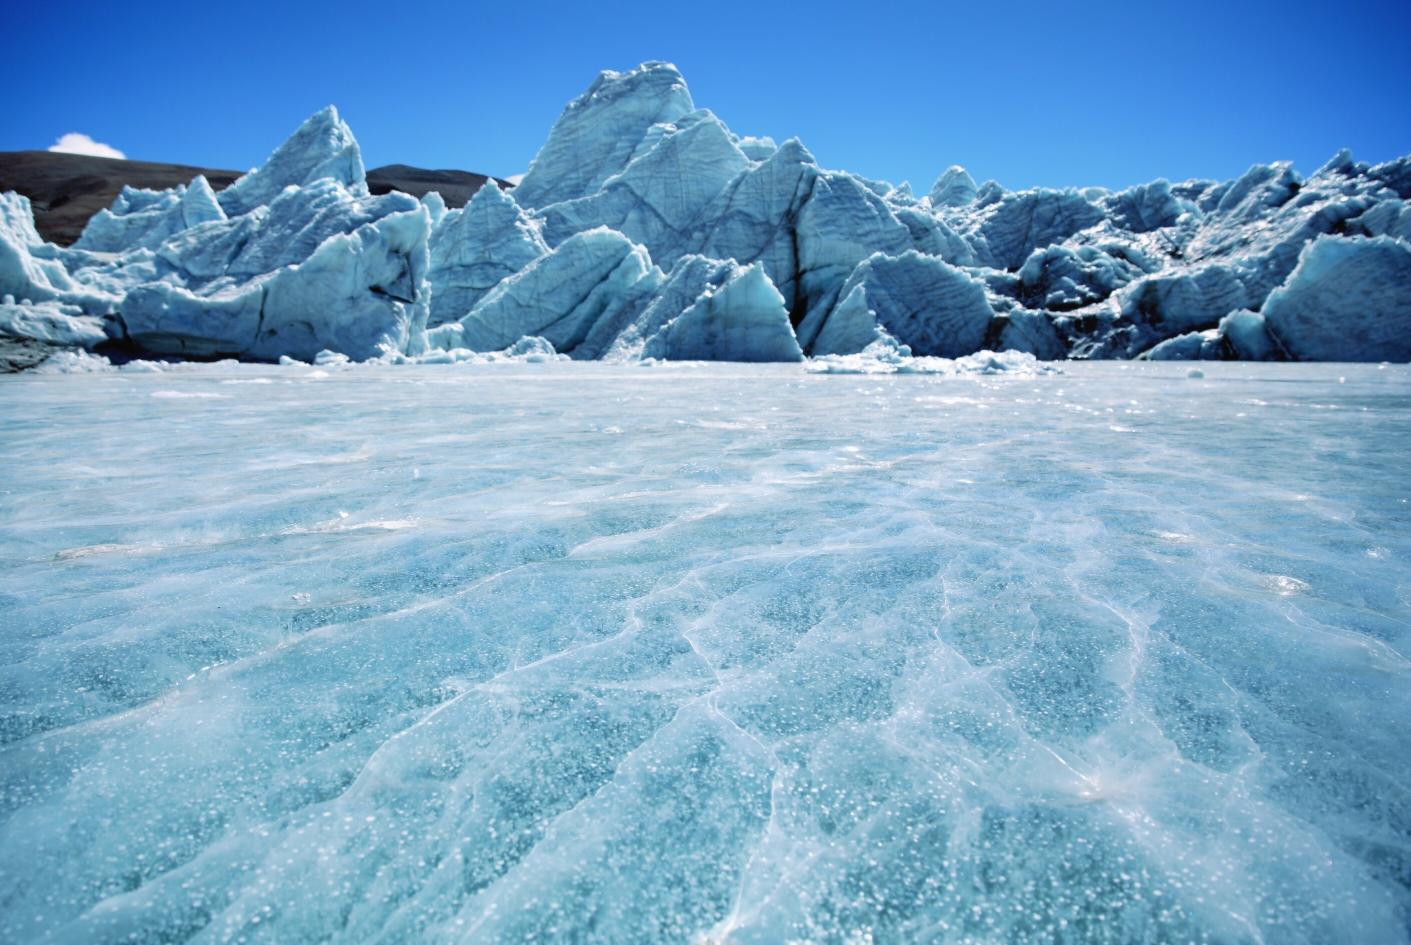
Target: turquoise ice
[(592, 653)]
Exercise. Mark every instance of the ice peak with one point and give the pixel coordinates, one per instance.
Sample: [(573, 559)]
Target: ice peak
[(1340, 163), (600, 131), (323, 146), (793, 151), (494, 210), (652, 78), (490, 194), (954, 188)]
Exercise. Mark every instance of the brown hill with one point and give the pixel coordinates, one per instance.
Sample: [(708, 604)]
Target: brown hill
[(66, 189), (455, 187)]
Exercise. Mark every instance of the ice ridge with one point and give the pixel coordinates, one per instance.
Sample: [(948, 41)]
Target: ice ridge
[(637, 192)]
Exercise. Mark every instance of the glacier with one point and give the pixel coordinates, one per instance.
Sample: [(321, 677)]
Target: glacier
[(297, 257), (382, 571), (497, 651)]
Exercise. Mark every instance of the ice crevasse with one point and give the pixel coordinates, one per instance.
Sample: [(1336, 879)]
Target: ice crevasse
[(646, 228)]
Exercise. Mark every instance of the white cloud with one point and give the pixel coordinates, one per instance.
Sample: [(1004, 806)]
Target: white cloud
[(515, 178), (76, 143)]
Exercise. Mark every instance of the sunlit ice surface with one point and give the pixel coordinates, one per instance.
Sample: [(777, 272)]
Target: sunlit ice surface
[(586, 653)]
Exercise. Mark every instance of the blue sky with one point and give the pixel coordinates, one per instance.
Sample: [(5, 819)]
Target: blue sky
[(1026, 93)]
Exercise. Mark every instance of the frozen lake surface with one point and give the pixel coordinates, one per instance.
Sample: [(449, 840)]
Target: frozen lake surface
[(585, 653)]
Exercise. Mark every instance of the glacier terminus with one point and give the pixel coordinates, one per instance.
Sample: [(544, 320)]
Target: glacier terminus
[(647, 229)]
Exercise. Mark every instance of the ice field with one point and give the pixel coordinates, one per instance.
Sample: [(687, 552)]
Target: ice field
[(576, 652)]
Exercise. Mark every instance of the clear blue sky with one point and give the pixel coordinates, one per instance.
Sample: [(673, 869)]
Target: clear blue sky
[(1028, 93)]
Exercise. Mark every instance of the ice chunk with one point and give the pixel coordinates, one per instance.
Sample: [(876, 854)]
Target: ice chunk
[(435, 205), (326, 358), (323, 146), (743, 320), (52, 323), (923, 302), (35, 271), (599, 132), (657, 300), (21, 275), (1177, 303), (1347, 300), (850, 327), (559, 296), (1247, 337), (1192, 346), (533, 350), (885, 356), (318, 268), (1389, 217), (757, 148), (756, 219), (623, 332), (474, 249), (1030, 332), (954, 188), (1005, 231), (1395, 175), (75, 362), (934, 236), (1145, 208), (1058, 278), (1262, 188), (662, 192), (523, 351), (146, 218), (841, 224)]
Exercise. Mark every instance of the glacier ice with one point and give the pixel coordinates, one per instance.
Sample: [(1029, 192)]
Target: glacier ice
[(662, 192), (926, 304), (737, 654), (841, 224), (742, 320), (954, 188), (317, 268), (598, 295), (1347, 300), (1145, 208), (1161, 269), (1006, 229), (53, 323), (144, 219), (559, 296), (1060, 278), (757, 148), (293, 258), (1192, 346), (323, 147), (34, 271), (660, 299), (475, 248), (1247, 335), (603, 130), (756, 218)]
